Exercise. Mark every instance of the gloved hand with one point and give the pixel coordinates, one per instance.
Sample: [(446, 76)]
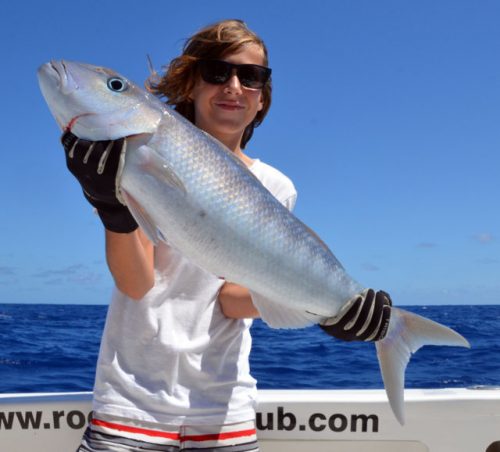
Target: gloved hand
[(364, 318), (95, 166)]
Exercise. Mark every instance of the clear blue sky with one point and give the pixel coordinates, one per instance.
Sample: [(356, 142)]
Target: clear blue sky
[(386, 115)]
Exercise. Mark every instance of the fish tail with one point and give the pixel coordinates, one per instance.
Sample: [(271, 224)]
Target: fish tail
[(407, 333)]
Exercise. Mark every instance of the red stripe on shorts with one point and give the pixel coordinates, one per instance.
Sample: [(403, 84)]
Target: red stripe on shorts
[(219, 436)]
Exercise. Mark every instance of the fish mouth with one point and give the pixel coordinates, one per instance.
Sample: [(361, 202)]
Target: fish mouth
[(59, 71), (72, 121), (58, 68)]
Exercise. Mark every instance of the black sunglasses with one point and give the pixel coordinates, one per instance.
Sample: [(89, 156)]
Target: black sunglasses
[(218, 72)]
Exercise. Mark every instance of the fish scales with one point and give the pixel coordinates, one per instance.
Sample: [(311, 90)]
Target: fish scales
[(248, 236)]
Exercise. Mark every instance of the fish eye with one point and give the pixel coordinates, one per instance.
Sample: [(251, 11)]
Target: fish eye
[(117, 84)]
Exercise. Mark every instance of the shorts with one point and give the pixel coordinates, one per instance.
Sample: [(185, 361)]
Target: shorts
[(117, 435)]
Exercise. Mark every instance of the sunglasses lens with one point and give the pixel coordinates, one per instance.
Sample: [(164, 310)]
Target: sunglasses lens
[(214, 71), (218, 72), (253, 76)]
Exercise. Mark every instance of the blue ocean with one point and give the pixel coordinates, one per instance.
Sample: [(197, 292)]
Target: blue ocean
[(53, 348)]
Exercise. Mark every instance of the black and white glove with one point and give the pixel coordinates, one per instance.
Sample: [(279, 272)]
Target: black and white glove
[(363, 318), (95, 165)]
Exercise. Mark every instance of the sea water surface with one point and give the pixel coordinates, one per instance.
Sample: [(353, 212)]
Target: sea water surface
[(53, 348)]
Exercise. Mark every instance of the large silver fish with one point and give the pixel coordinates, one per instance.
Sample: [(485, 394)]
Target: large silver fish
[(184, 186)]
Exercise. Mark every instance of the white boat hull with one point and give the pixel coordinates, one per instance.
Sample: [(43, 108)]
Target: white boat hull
[(437, 420)]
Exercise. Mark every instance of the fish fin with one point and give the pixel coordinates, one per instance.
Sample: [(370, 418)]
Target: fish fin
[(142, 218), (159, 167), (279, 316), (407, 333), (152, 162)]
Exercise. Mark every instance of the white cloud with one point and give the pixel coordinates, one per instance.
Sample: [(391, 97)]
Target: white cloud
[(484, 237), (427, 245), (7, 271), (77, 273)]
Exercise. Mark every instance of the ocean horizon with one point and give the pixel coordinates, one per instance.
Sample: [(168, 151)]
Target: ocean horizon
[(54, 348)]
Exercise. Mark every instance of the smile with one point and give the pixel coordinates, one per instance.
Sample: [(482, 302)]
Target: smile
[(229, 106)]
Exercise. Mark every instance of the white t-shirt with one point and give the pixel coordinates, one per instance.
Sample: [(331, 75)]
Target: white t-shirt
[(173, 357)]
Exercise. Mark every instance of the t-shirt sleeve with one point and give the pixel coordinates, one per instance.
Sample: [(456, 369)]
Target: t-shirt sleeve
[(280, 186)]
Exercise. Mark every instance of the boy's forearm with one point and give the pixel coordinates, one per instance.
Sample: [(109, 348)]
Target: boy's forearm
[(236, 302), (130, 260)]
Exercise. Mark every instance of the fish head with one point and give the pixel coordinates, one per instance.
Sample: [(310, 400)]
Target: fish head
[(96, 103)]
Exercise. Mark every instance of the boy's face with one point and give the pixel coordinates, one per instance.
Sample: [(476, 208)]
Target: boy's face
[(225, 110)]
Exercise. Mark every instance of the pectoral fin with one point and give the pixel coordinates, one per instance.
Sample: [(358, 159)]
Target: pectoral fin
[(151, 162), (158, 167), (142, 218)]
